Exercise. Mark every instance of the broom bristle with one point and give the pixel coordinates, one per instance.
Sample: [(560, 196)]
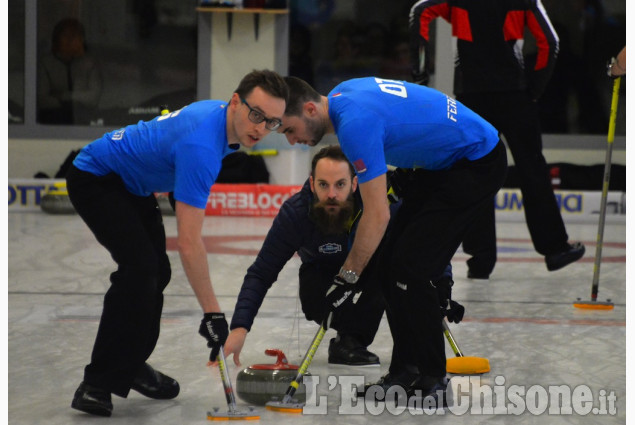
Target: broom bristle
[(593, 305), (232, 416), (467, 365), (285, 408)]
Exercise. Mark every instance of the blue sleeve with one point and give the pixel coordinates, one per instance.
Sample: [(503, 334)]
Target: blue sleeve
[(195, 175), (362, 140), (282, 241)]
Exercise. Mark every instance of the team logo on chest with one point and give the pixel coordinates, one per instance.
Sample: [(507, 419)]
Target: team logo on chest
[(330, 248)]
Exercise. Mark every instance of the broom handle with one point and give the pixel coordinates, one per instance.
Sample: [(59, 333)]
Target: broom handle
[(450, 338), (227, 383), (308, 358), (605, 189)]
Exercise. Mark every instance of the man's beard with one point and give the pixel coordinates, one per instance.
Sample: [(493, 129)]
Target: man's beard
[(332, 223)]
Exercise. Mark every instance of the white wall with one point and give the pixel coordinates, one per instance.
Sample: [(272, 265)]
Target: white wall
[(28, 156)]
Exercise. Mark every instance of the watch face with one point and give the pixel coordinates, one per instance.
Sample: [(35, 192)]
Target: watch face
[(349, 276)]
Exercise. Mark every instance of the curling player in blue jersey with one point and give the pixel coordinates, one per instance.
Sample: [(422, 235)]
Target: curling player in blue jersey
[(453, 164), (111, 186)]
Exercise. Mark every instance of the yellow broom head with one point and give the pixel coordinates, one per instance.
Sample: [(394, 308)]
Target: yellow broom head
[(278, 406), (466, 365)]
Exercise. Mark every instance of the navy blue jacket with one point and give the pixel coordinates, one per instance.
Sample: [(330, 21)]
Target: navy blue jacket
[(292, 231)]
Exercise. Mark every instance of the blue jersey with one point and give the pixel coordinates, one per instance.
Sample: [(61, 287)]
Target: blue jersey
[(406, 125), (180, 152)]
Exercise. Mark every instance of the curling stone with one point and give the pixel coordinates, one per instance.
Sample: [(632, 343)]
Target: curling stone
[(260, 383), (56, 200)]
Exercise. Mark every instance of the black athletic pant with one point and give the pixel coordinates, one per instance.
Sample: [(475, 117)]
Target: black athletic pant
[(360, 320), (131, 228), (516, 117), (438, 208)]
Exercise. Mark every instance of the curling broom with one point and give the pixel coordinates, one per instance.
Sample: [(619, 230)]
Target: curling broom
[(463, 365), (232, 413), (593, 303), (288, 404)]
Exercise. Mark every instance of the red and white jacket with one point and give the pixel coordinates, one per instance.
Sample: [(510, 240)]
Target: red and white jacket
[(489, 43)]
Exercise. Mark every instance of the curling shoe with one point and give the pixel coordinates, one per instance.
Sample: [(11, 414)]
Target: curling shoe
[(561, 259), (346, 350), (92, 400), (153, 384), (404, 379), (428, 392)]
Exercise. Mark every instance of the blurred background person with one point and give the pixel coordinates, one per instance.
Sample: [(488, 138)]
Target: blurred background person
[(69, 81), (493, 80)]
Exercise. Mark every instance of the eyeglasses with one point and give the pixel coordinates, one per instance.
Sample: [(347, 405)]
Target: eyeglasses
[(257, 117)]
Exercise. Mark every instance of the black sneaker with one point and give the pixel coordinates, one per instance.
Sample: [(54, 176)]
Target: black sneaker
[(152, 383), (566, 257), (346, 350), (403, 379), (92, 400), (428, 392)]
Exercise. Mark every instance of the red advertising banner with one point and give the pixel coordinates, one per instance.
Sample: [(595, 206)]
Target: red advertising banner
[(249, 200)]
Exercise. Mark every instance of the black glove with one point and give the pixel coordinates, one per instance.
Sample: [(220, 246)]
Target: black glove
[(340, 293), (398, 180), (450, 309), (444, 290), (454, 312), (215, 330)]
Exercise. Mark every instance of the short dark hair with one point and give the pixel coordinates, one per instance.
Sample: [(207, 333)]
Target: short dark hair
[(269, 81), (333, 152), (300, 92)]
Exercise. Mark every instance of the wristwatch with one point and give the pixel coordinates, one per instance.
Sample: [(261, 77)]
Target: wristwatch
[(349, 276)]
